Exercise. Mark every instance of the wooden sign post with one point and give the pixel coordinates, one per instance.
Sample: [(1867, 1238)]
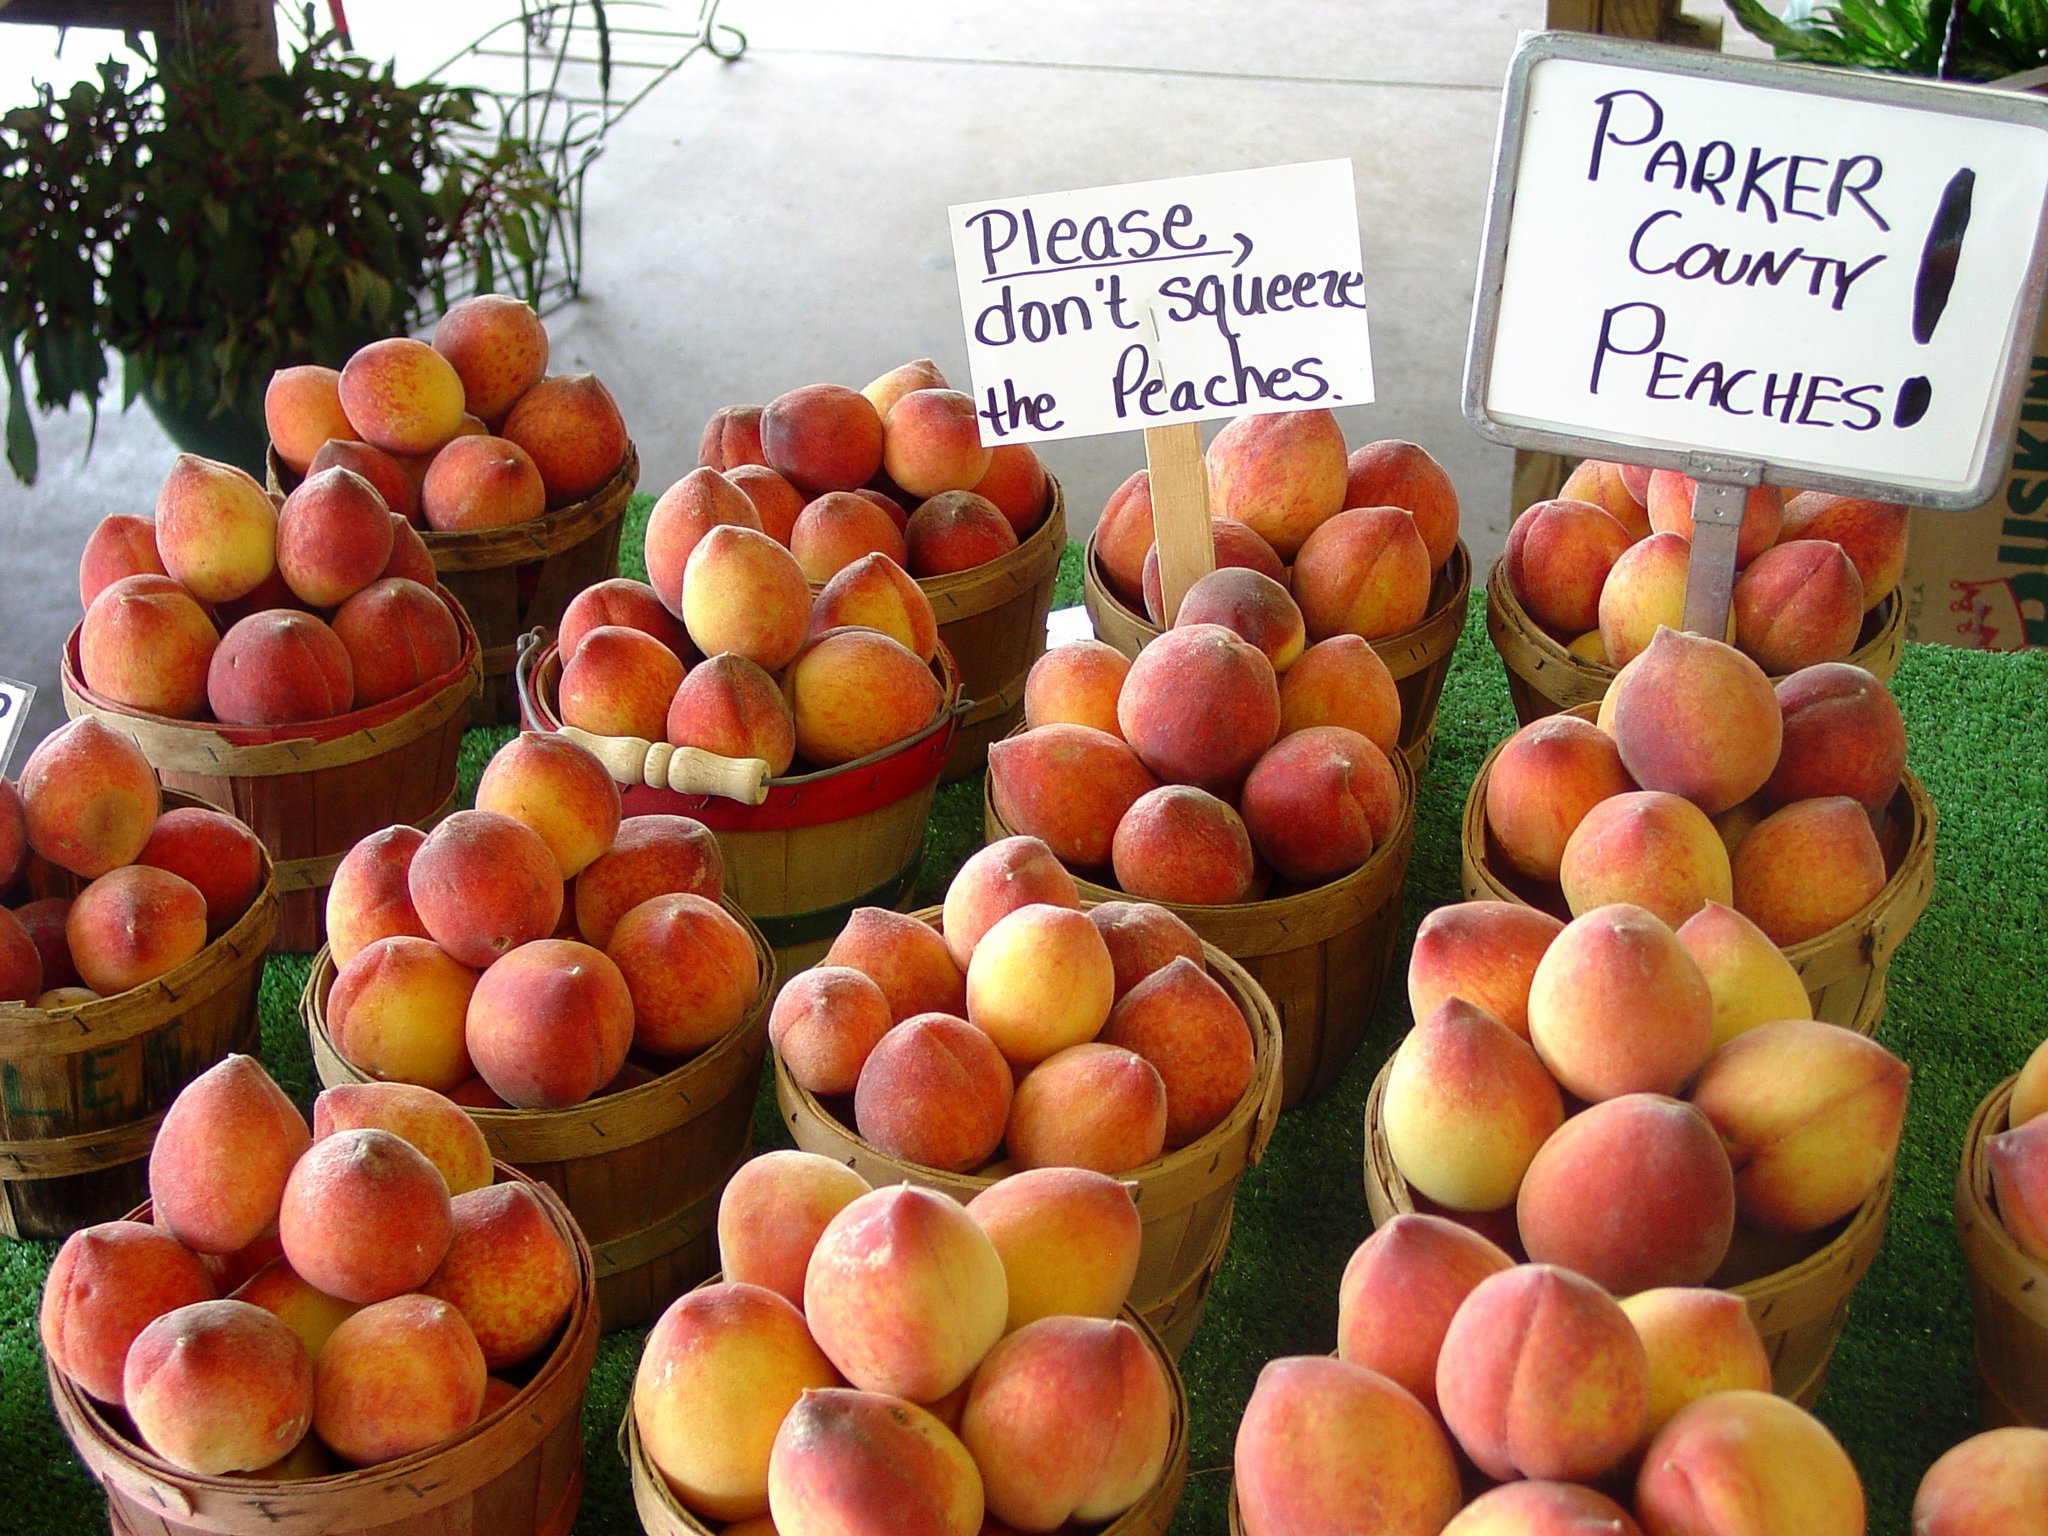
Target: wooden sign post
[(1753, 272), (1160, 305)]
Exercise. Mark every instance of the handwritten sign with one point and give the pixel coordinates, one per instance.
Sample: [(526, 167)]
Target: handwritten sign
[(1829, 274), (1119, 308), (15, 698)]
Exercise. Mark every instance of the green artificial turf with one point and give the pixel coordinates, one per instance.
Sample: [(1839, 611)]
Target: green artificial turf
[(1968, 1000)]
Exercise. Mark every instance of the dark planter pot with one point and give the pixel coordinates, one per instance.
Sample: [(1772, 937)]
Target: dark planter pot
[(236, 437)]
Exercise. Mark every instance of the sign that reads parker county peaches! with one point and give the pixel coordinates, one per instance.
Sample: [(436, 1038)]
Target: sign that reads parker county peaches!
[(1831, 275), (1119, 308)]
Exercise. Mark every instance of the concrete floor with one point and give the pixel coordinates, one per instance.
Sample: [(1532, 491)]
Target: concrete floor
[(781, 220)]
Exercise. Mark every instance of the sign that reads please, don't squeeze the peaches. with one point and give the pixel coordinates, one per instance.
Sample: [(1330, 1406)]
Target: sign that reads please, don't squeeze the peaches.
[(1119, 308)]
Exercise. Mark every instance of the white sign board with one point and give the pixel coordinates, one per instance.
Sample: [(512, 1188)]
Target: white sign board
[(15, 698), (1119, 308), (1832, 275)]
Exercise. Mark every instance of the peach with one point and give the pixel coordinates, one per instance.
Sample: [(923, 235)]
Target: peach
[(620, 682), (1606, 486), (1698, 1342), (508, 1271), (1811, 1115), (310, 1314), (907, 959), (1364, 572), (1039, 980), (1748, 977), (772, 1212), (956, 531), (119, 545), (498, 348), (853, 692), (333, 536), (280, 668), (1544, 781), (1400, 1290), (401, 395), (1798, 605), (1739, 1462), (398, 636), (365, 1216), (691, 969), (702, 500), (559, 790), (1142, 938), (1015, 484), (1325, 1445), (21, 963), (839, 528), (481, 482), (424, 1119), (822, 437), (1182, 1022), (1996, 1481), (218, 1167), (824, 1024), (728, 705), (624, 602), (409, 556), (777, 503), (884, 390), (1541, 1375), (931, 442), (1558, 557), (397, 1010), (216, 530), (1318, 803), (107, 1283), (219, 855), (1123, 535), (1843, 736), (88, 798), (1483, 951), (1466, 1107), (133, 925), (550, 1024), (1645, 592), (875, 592), (1655, 850), (1808, 868), (1587, 647), (1213, 747), (1069, 1240), (1235, 546), (1696, 718), (370, 898), (1090, 1106), (218, 1386), (386, 475), (1617, 1006), (1341, 681), (650, 856), (571, 428), (1391, 473), (905, 1293), (1181, 844), (398, 1377), (745, 593), (484, 884), (1068, 785), (1076, 684), (42, 922), (1536, 1508), (1254, 607), (897, 512), (1068, 1419), (145, 643), (14, 844), (1282, 474), (934, 1091), (1871, 533), (840, 1456), (731, 439), (1669, 502)]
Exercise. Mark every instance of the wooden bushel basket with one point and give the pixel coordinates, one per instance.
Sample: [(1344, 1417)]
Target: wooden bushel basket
[(1419, 658), (641, 1170), (1185, 1199), (83, 1089), (511, 580), (1321, 955), (821, 843), (518, 1472), (311, 791), (2008, 1287), (1799, 1309), (1843, 969), (662, 1514), (1545, 678)]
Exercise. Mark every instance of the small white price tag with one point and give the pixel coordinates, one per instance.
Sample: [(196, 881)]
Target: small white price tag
[(15, 698)]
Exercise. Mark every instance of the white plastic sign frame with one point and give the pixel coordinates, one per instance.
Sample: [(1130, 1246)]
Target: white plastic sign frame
[(1751, 271)]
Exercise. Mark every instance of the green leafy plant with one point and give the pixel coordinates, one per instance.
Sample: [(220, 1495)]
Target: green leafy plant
[(209, 226), (1985, 39)]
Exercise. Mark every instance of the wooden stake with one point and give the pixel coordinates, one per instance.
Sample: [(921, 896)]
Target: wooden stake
[(1180, 510), (1717, 511)]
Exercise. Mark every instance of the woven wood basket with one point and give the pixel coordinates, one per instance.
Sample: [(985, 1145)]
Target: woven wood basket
[(641, 1170), (662, 1514), (1544, 677), (310, 792), (1799, 1307), (1419, 658), (83, 1089), (821, 843), (1184, 1198), (2008, 1287), (1321, 955), (511, 580), (1843, 969), (518, 1472)]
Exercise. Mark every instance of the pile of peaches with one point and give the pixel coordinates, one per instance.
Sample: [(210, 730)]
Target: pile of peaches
[(516, 955), (302, 1302), (158, 885), (886, 1360), (1601, 567), (1357, 539), (1092, 1039)]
